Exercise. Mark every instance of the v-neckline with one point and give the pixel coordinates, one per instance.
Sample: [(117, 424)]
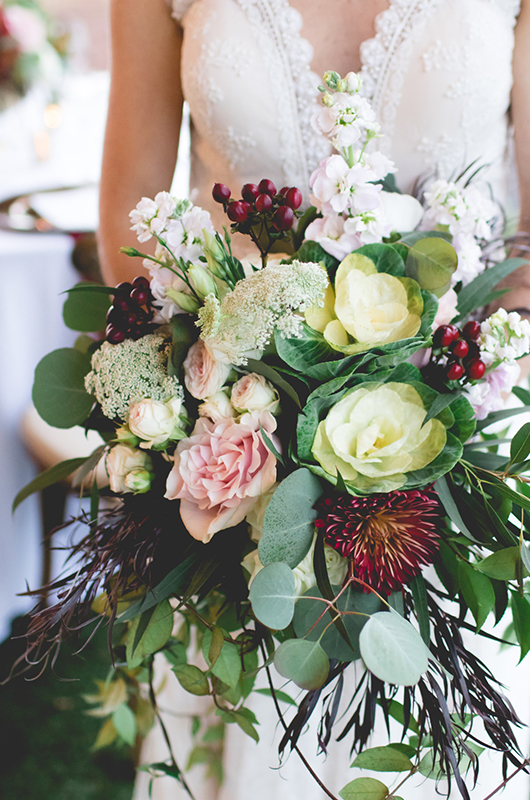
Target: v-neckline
[(364, 46)]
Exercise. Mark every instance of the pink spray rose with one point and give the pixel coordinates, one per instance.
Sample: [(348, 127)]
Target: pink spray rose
[(220, 471)]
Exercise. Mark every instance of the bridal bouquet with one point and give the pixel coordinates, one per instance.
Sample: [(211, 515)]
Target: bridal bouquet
[(31, 48), (289, 444)]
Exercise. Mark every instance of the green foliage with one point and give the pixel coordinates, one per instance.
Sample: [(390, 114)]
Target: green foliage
[(312, 251), (431, 262), (149, 633), (521, 621), (358, 604), (86, 311), (383, 759), (124, 721), (59, 393), (473, 295), (288, 527), (477, 592), (222, 657), (451, 508), (192, 679), (303, 662), (393, 650), (303, 353), (364, 789), (272, 595), (171, 584), (243, 717), (501, 565), (520, 446), (54, 474), (261, 368), (419, 595), (183, 334)]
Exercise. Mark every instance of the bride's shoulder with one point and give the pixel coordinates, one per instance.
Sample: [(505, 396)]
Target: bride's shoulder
[(180, 7)]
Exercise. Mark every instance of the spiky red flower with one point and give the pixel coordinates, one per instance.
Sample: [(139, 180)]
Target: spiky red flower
[(387, 537)]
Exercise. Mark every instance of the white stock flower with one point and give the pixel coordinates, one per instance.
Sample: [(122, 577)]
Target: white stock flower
[(489, 395), (121, 461), (204, 375), (185, 236), (253, 393), (505, 336), (217, 407), (154, 421), (347, 120), (152, 216), (338, 187), (402, 211), (329, 232)]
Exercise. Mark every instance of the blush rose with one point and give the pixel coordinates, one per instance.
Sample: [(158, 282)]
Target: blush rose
[(220, 471)]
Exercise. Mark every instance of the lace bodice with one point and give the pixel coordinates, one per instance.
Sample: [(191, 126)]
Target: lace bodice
[(438, 73)]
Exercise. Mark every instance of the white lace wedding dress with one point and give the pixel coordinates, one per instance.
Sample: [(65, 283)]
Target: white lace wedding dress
[(438, 73)]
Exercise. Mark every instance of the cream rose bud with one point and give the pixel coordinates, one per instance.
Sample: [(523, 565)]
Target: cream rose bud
[(154, 421), (403, 212), (138, 481), (123, 460), (217, 407), (304, 573), (204, 375), (253, 393)]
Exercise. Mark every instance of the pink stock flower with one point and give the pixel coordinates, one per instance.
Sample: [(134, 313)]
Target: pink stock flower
[(220, 471)]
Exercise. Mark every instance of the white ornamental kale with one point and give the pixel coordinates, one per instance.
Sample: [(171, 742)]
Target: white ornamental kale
[(245, 320), (131, 371), (469, 215)]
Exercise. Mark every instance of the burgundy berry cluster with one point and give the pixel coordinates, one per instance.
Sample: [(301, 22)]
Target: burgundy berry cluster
[(456, 354), (130, 314), (262, 212)]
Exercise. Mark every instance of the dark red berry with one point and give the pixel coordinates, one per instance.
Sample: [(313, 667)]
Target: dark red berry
[(283, 191), (124, 288), (141, 282), (294, 198), (454, 372), (249, 192), (263, 203), (237, 211), (460, 348), (266, 187), (473, 352), (139, 296), (115, 316), (114, 335), (122, 303), (445, 335), (248, 207), (137, 333), (283, 218), (221, 193), (131, 318), (472, 330), (476, 369)]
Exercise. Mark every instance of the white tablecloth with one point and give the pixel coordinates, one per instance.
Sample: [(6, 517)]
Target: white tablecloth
[(34, 270)]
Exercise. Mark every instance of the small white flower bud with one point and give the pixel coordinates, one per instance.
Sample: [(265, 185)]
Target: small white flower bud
[(184, 301), (327, 99), (202, 281)]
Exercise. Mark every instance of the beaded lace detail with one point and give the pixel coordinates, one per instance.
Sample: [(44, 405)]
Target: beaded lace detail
[(295, 85)]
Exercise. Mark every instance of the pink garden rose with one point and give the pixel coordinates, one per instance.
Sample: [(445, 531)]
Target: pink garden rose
[(203, 374), (220, 471)]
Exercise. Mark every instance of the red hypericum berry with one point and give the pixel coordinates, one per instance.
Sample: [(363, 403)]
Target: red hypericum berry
[(114, 335), (124, 288), (249, 192), (476, 369), (263, 203), (141, 282), (473, 352), (131, 318), (237, 211), (283, 191), (267, 187), (122, 303), (472, 330), (445, 335), (137, 333), (460, 348), (283, 218), (454, 372), (139, 296), (221, 193), (115, 316), (294, 198)]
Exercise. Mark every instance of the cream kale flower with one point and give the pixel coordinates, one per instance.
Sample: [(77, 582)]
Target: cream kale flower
[(367, 308), (375, 435)]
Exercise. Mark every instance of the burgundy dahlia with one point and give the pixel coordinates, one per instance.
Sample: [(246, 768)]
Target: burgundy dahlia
[(386, 537)]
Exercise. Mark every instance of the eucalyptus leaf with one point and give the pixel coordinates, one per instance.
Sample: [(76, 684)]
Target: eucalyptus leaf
[(498, 416), (500, 565), (288, 524), (303, 662), (86, 311), (383, 759), (272, 595), (364, 789), (59, 393), (49, 477), (393, 650)]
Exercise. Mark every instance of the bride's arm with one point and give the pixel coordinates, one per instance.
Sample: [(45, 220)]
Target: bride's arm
[(519, 282), (143, 124)]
